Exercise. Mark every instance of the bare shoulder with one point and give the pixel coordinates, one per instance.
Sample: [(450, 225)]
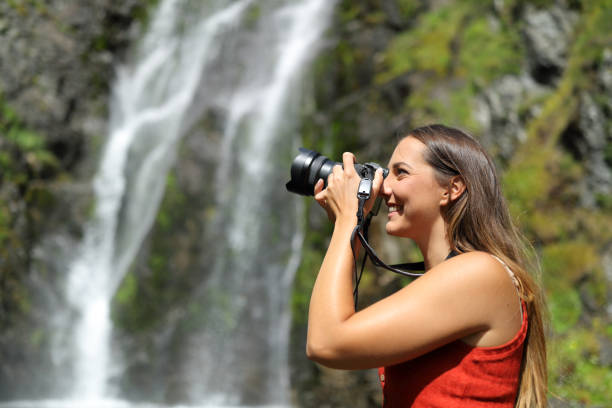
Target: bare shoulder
[(485, 288), (477, 282), (472, 268)]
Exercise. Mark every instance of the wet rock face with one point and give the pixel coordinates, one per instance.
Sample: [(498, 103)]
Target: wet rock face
[(547, 34), (501, 109), (498, 111), (56, 65)]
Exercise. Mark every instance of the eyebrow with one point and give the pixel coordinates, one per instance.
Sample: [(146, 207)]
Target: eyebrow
[(398, 164)]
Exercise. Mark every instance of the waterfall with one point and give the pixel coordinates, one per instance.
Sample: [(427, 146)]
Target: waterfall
[(148, 107), (253, 344), (197, 56)]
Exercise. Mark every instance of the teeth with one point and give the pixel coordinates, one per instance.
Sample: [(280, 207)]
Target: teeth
[(392, 208)]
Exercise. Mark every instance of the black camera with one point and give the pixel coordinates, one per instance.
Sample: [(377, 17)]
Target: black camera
[(308, 167)]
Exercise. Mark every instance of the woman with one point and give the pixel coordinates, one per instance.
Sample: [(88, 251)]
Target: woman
[(469, 332)]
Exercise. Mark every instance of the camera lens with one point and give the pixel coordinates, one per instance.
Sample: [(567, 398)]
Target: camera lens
[(306, 169)]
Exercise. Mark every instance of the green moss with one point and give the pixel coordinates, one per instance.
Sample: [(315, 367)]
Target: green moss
[(456, 50), (568, 261), (565, 308), (5, 223), (576, 373), (128, 289), (142, 12), (252, 15), (608, 331), (608, 154), (455, 109), (24, 152), (349, 11), (408, 8), (170, 209), (548, 226), (425, 48), (604, 201), (375, 18), (526, 183), (488, 51)]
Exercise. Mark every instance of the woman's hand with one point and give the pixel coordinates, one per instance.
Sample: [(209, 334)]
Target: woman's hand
[(339, 199)]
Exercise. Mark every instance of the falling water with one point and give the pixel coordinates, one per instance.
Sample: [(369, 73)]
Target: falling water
[(150, 102), (198, 56), (261, 256)]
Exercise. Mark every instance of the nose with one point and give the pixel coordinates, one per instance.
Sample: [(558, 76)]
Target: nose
[(385, 190)]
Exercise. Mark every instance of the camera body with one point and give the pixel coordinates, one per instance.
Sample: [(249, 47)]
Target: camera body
[(309, 166)]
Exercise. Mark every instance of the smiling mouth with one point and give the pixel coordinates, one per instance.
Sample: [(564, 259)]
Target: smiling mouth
[(393, 208)]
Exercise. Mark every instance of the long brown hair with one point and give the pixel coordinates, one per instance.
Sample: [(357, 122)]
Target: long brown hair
[(479, 220)]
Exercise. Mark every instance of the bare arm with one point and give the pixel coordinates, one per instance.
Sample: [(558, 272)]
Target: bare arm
[(468, 294)]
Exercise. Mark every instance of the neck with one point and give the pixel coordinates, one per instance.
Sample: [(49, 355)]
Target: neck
[(434, 246)]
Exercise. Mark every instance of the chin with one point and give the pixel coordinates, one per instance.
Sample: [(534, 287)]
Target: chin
[(396, 230), (403, 228)]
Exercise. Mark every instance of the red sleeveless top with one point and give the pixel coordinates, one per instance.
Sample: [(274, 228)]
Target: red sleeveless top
[(457, 375)]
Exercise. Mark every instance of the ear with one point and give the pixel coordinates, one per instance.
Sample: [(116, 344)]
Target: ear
[(454, 190)]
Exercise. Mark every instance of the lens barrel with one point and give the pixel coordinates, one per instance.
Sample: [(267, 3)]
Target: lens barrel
[(306, 169)]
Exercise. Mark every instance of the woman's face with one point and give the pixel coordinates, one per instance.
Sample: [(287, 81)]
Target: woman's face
[(411, 191)]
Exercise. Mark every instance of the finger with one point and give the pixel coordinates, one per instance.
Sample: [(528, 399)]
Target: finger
[(318, 187), (336, 171), (337, 168), (348, 159), (378, 181), (320, 195), (321, 198)]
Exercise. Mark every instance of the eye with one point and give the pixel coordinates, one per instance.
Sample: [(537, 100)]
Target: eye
[(402, 171)]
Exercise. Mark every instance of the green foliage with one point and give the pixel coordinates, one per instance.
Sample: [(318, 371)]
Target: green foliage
[(24, 155), (488, 51), (5, 223), (252, 15), (25, 166), (452, 106), (128, 289), (576, 372), (604, 201), (526, 183), (425, 48), (170, 210), (565, 262), (608, 154), (142, 11), (409, 8), (565, 308), (456, 50)]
